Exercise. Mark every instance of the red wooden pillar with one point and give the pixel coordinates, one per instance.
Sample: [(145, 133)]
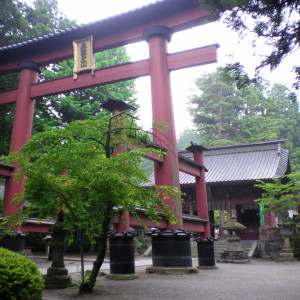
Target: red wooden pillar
[(167, 173), (22, 126), (201, 193), (115, 106)]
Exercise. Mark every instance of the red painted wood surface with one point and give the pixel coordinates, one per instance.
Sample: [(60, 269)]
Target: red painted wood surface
[(191, 225), (21, 133), (158, 66), (162, 110), (184, 59), (42, 227), (191, 58), (201, 193), (8, 96), (121, 36), (5, 172), (189, 169)]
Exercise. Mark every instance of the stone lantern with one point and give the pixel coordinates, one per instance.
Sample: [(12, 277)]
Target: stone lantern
[(234, 252), (286, 253), (57, 275)]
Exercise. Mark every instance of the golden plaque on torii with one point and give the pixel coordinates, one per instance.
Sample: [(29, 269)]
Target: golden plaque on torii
[(83, 56)]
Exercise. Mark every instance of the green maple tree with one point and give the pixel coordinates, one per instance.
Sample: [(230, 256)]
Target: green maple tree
[(97, 184)]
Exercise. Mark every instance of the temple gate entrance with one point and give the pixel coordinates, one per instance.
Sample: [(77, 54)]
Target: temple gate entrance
[(154, 23)]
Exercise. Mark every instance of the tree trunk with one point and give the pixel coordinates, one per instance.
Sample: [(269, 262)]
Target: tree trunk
[(80, 234), (87, 286), (220, 123)]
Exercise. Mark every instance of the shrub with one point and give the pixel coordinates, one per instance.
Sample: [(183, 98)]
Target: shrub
[(19, 277)]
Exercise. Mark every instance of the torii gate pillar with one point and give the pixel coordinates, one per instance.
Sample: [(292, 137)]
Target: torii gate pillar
[(201, 193), (22, 127), (166, 173)]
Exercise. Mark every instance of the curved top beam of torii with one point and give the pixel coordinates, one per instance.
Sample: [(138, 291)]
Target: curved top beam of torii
[(108, 33), (147, 23)]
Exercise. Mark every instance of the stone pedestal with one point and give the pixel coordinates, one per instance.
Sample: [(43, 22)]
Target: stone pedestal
[(234, 252), (286, 253), (57, 275)]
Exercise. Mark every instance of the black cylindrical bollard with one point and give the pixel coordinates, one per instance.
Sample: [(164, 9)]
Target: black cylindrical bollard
[(14, 241), (171, 248), (206, 252), (121, 248)]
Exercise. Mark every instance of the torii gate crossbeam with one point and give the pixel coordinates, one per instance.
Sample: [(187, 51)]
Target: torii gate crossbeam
[(155, 24)]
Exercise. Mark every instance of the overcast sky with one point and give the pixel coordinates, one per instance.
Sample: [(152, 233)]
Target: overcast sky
[(232, 49)]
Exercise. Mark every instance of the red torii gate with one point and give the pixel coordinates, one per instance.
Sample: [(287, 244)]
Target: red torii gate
[(154, 23)]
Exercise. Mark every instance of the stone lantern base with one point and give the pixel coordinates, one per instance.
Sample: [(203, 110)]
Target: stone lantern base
[(57, 275), (57, 278), (286, 253), (234, 252)]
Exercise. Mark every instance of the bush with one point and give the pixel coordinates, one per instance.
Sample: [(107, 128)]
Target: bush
[(19, 277)]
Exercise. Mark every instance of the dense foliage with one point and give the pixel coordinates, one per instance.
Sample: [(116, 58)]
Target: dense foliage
[(19, 277), (57, 111), (224, 113), (77, 169), (281, 195), (20, 21), (275, 23)]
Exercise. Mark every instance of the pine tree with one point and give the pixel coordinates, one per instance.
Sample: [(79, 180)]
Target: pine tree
[(224, 113)]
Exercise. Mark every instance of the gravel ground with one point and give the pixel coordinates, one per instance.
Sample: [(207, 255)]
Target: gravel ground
[(261, 280)]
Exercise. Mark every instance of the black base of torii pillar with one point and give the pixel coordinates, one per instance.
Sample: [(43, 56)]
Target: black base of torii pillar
[(171, 252)]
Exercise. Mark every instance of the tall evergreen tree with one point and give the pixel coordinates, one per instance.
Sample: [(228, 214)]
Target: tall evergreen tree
[(225, 114), (216, 110), (276, 23), (186, 137)]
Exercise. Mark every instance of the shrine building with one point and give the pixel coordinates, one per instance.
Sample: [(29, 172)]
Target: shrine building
[(232, 174)]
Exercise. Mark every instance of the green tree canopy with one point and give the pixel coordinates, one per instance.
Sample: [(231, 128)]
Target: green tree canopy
[(276, 23), (76, 169), (186, 137), (19, 21), (225, 113), (281, 195), (55, 111)]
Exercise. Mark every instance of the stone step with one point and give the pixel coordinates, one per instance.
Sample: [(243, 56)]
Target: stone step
[(220, 246)]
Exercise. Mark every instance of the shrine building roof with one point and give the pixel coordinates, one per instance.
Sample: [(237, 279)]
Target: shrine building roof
[(6, 166), (240, 163)]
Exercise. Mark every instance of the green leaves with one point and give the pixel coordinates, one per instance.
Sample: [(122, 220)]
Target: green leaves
[(276, 22), (20, 21), (224, 113), (69, 168), (280, 196)]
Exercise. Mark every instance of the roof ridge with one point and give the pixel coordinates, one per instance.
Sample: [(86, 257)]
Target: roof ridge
[(247, 144), (50, 34)]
